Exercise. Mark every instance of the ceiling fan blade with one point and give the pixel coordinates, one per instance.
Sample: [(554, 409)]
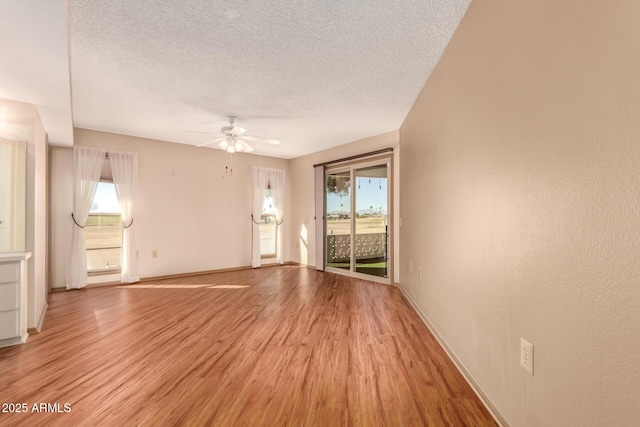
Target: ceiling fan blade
[(237, 130), (245, 147), (206, 144), (260, 139)]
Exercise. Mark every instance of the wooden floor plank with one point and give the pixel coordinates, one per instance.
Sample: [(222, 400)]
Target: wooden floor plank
[(274, 346)]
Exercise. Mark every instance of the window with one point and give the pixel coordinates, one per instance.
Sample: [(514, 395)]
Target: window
[(268, 225), (103, 231)]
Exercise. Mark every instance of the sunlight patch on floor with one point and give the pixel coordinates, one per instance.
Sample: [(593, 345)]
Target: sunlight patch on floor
[(167, 286), (228, 287), (178, 286)]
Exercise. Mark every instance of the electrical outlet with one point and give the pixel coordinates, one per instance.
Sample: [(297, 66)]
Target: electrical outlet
[(154, 253), (410, 266), (419, 272), (526, 355)]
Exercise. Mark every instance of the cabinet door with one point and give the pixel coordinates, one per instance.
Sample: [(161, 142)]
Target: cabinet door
[(9, 324), (9, 300), (9, 296)]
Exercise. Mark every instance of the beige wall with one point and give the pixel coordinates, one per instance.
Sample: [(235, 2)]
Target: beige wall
[(187, 208), (183, 191), (302, 236), (522, 157)]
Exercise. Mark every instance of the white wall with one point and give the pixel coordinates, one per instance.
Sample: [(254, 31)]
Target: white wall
[(520, 200), (302, 236), (37, 223), (187, 208), (61, 188), (21, 122), (13, 165)]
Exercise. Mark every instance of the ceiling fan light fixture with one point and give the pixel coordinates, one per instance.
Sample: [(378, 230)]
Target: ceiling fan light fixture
[(231, 143)]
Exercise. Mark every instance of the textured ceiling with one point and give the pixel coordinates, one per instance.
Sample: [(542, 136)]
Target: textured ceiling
[(313, 74)]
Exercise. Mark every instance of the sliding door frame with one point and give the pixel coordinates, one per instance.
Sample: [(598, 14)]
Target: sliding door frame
[(352, 166)]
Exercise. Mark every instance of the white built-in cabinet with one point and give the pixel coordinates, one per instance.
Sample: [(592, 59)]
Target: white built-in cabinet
[(13, 298)]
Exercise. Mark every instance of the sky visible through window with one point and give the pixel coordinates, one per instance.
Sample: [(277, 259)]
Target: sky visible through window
[(105, 200), (370, 196), (267, 207)]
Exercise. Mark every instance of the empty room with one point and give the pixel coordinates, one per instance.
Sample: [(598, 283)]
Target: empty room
[(309, 213)]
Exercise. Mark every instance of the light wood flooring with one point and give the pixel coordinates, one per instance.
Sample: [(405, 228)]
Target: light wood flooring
[(279, 346)]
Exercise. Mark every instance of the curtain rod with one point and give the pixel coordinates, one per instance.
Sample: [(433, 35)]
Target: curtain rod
[(106, 152), (357, 156)]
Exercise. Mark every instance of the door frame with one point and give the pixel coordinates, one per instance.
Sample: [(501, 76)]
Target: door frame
[(351, 166)]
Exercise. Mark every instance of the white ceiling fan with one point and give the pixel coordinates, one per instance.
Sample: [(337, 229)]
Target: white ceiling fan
[(234, 140)]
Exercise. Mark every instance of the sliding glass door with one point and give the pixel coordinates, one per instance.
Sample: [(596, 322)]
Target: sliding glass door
[(371, 220), (338, 220), (357, 219)]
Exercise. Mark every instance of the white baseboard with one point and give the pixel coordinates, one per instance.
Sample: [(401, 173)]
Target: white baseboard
[(38, 327), (463, 370), (41, 319)]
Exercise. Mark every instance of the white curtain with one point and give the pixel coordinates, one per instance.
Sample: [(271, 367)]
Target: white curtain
[(124, 167), (276, 178), (259, 188), (87, 167)]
